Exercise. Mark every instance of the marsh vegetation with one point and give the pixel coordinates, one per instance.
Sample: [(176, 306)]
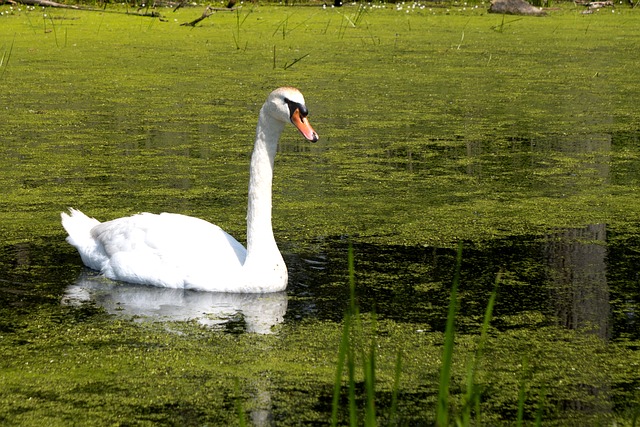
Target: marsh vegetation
[(439, 124)]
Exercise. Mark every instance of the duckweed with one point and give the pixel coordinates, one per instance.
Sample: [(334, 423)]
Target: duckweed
[(438, 124)]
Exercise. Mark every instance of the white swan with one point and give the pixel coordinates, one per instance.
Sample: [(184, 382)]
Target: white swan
[(178, 251)]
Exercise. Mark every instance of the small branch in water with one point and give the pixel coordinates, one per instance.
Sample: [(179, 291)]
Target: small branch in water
[(208, 11), (287, 65), (182, 3)]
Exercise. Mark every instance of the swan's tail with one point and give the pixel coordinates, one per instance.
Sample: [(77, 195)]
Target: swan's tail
[(79, 226)]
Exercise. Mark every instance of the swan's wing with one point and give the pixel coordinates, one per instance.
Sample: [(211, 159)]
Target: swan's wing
[(165, 249)]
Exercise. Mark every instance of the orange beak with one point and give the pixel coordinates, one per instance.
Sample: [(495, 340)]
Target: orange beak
[(302, 123)]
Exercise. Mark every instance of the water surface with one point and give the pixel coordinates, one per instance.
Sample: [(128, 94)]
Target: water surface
[(517, 138)]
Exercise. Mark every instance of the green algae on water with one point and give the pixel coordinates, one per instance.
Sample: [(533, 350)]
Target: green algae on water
[(437, 125)]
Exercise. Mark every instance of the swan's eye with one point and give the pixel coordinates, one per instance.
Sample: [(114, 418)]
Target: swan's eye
[(293, 106)]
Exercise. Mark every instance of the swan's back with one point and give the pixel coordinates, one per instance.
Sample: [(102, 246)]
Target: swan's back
[(168, 250)]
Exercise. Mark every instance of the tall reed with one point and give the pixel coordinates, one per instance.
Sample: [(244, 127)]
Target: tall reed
[(239, 23), (442, 410), (352, 329), (472, 397), (396, 388), (6, 55)]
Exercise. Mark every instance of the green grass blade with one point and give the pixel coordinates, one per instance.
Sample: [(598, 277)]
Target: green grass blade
[(6, 56), (472, 398), (442, 414), (345, 352), (396, 389), (342, 354), (351, 368), (55, 32), (369, 362), (353, 315)]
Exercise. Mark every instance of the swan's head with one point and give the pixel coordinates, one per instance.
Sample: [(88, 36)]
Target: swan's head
[(287, 105)]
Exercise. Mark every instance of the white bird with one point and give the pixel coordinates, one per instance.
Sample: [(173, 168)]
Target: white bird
[(178, 251)]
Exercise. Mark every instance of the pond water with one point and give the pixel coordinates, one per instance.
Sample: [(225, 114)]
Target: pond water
[(573, 278), (583, 280), (518, 139)]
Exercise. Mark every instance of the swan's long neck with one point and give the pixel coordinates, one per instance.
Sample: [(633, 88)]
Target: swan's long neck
[(260, 239)]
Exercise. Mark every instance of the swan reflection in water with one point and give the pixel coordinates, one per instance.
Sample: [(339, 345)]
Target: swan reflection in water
[(261, 312)]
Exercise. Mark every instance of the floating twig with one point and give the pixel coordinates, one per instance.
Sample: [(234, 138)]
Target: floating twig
[(208, 11), (295, 61)]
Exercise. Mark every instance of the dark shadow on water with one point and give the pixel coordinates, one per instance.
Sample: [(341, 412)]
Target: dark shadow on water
[(574, 278), (578, 278)]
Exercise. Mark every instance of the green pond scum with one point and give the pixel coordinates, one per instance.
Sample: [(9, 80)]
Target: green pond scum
[(439, 123)]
